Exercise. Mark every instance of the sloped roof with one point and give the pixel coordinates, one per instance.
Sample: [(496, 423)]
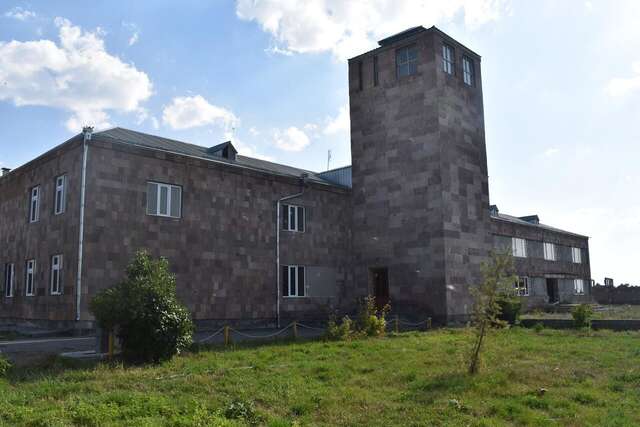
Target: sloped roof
[(520, 221), (127, 136)]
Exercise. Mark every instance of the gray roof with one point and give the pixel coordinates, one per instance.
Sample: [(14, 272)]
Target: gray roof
[(520, 221), (127, 136)]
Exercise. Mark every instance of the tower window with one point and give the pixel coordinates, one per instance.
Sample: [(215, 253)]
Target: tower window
[(293, 281), (60, 195), (407, 61), (56, 271), (375, 71), (164, 200), (293, 218), (30, 278), (34, 204), (521, 287), (9, 271), (447, 59), (468, 74)]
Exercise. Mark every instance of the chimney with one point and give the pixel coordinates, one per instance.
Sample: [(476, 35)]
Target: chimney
[(5, 171), (493, 210)]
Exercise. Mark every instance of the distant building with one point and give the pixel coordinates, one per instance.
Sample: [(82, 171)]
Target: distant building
[(256, 242)]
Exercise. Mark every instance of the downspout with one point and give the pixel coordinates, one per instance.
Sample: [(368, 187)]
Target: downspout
[(86, 131), (303, 178)]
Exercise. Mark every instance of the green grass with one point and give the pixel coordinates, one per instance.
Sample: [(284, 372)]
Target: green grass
[(414, 379), (608, 312)]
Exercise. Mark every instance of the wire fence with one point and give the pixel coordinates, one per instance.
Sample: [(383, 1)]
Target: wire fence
[(227, 332)]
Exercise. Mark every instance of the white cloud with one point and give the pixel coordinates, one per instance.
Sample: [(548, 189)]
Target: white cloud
[(340, 123), (253, 131), (186, 112), (624, 86), (135, 32), (134, 38), (76, 75), (549, 152), (291, 139), (20, 14), (348, 27)]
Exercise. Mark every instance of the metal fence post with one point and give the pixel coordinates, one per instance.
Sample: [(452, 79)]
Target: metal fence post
[(428, 323), (295, 329), (226, 335)]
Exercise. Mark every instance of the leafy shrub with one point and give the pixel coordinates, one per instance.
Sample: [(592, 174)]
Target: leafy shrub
[(145, 313), (538, 327), (371, 321), (582, 315), (5, 365), (510, 307), (241, 410), (340, 330)]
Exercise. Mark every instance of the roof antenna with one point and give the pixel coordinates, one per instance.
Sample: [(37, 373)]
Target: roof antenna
[(328, 158)]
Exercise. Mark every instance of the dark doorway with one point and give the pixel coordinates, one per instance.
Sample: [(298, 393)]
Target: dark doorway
[(380, 285), (552, 290)]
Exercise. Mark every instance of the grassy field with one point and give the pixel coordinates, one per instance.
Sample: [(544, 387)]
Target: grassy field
[(605, 312), (590, 378)]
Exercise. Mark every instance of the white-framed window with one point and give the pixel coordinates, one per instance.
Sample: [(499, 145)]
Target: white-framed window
[(578, 286), (56, 275), (61, 195), (34, 204), (521, 287), (519, 247), (407, 61), (30, 278), (293, 218), (9, 279), (293, 281), (448, 62), (549, 251), (164, 200), (468, 71), (576, 255)]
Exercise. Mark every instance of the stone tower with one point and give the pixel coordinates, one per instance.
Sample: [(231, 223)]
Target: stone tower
[(420, 190)]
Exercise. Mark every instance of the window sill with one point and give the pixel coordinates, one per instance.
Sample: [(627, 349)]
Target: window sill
[(295, 297), (164, 216), (56, 294)]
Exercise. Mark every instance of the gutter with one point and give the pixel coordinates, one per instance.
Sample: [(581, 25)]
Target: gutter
[(86, 131), (303, 178)]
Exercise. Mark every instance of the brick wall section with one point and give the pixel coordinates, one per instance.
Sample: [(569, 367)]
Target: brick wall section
[(223, 248), (419, 178), (51, 235), (616, 295)]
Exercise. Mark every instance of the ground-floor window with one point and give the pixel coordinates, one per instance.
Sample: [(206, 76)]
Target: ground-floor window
[(521, 286), (9, 273), (29, 280), (578, 286), (56, 273), (293, 281)]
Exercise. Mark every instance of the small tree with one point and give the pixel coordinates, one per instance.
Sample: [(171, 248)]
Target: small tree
[(582, 315), (144, 312), (497, 282)]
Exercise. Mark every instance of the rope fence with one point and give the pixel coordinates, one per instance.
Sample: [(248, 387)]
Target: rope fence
[(227, 331)]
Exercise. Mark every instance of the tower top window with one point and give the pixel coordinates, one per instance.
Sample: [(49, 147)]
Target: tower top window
[(447, 59), (407, 61), (468, 71)]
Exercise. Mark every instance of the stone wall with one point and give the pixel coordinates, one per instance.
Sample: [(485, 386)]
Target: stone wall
[(616, 295)]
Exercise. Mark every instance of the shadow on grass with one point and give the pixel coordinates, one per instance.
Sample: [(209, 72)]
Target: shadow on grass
[(445, 385)]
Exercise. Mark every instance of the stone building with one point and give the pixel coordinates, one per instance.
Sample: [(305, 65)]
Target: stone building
[(256, 242)]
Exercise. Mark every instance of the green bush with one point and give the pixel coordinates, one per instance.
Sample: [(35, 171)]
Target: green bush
[(340, 330), (5, 365), (510, 307), (144, 311), (371, 321), (582, 315), (538, 327), (241, 410)]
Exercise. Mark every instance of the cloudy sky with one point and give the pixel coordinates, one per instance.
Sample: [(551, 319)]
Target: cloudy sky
[(561, 85)]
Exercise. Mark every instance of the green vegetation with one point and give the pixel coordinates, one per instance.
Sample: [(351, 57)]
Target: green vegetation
[(371, 322), (145, 312), (604, 312), (582, 315), (551, 377)]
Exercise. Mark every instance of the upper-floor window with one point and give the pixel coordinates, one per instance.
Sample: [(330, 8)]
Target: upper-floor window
[(407, 61), (376, 78), (576, 255), (549, 251), (164, 200), (447, 59), (34, 204), (29, 278), (521, 286), (9, 280), (468, 72), (293, 281), (519, 247), (56, 275), (293, 218), (578, 286), (60, 196)]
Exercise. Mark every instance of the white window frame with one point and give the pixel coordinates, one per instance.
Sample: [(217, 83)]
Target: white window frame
[(522, 290), (448, 59), (296, 294), (61, 188), (56, 288), (168, 187), (293, 211), (519, 250), (403, 60), (30, 277), (578, 286), (9, 279), (34, 204), (468, 71), (549, 251), (576, 255)]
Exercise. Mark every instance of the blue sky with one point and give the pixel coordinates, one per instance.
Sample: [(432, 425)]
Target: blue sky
[(561, 83)]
